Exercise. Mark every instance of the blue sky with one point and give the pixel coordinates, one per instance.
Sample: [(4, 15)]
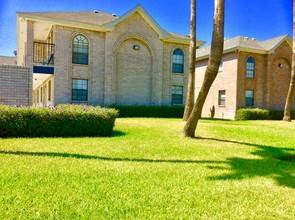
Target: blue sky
[(260, 19)]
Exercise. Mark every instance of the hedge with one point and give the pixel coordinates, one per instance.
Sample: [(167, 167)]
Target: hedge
[(261, 114), (60, 121), (279, 114), (150, 111)]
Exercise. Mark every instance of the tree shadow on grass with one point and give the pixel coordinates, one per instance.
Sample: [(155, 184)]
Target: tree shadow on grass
[(114, 133), (273, 162), (93, 157)]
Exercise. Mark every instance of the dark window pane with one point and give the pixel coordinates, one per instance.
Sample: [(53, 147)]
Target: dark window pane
[(249, 102), (178, 61), (177, 95), (249, 95), (80, 90), (221, 97), (80, 50), (250, 67), (177, 68)]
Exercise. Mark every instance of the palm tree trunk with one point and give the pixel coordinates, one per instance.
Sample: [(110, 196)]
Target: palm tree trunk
[(192, 64), (211, 71), (291, 91)]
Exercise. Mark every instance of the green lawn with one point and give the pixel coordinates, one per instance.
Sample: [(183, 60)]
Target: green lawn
[(233, 170)]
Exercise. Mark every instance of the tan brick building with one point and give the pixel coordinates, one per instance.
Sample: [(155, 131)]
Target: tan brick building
[(102, 59), (252, 74)]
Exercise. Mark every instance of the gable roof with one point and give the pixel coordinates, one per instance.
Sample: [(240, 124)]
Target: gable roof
[(271, 44), (102, 21), (247, 44), (145, 15)]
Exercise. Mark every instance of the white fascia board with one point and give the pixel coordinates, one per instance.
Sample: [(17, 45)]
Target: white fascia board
[(235, 49), (56, 21), (176, 40), (286, 38)]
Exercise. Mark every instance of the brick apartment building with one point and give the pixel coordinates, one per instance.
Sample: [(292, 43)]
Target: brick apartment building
[(102, 59), (253, 74)]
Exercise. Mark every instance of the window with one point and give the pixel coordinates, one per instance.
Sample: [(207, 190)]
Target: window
[(177, 95), (80, 90), (49, 90), (221, 97), (178, 61), (80, 50), (249, 98), (250, 67)]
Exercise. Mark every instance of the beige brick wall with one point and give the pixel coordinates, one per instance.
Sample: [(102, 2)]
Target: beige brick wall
[(116, 73), (225, 80), (171, 79), (15, 85), (65, 71), (135, 29)]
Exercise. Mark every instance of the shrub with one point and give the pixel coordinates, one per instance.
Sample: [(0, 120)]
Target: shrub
[(279, 114), (60, 121), (151, 111), (252, 114)]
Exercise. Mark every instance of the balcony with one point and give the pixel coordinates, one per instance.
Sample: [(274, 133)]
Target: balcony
[(43, 58)]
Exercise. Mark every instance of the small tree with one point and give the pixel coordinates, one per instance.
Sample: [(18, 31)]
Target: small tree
[(211, 71), (192, 60), (287, 112)]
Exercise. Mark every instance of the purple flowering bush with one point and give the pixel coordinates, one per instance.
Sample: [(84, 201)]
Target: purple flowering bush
[(58, 121)]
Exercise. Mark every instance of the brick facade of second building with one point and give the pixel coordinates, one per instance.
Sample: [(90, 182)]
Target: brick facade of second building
[(253, 74)]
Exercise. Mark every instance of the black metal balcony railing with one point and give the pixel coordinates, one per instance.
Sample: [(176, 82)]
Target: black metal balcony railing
[(43, 53)]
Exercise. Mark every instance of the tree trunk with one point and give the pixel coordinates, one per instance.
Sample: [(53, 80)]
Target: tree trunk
[(291, 91), (192, 64), (211, 71)]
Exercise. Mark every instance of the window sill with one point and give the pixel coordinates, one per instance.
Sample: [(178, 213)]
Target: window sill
[(79, 102), (179, 74), (76, 64)]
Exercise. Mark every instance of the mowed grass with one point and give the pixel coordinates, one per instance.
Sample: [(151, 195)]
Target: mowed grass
[(233, 170)]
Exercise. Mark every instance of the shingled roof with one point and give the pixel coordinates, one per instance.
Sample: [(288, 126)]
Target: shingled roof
[(88, 17), (246, 44), (102, 21)]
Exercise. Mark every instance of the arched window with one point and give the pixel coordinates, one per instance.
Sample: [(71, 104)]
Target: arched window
[(80, 50), (178, 60), (250, 67)]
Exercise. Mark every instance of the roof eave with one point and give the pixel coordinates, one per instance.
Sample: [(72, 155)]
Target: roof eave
[(235, 49), (287, 38), (55, 21)]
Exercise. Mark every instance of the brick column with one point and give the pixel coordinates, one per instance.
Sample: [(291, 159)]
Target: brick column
[(29, 56), (109, 93)]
